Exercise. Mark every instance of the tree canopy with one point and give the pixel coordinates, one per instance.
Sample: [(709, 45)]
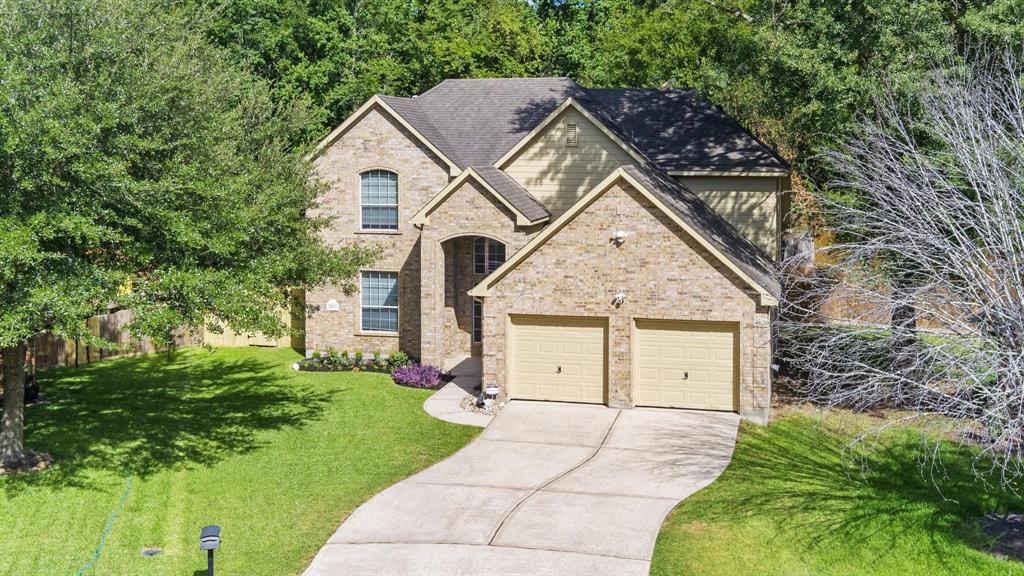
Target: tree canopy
[(141, 170), (796, 72)]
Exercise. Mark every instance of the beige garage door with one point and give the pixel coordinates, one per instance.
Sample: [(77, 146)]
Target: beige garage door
[(558, 358), (686, 364)]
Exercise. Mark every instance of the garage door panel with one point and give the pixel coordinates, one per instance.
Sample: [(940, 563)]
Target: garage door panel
[(574, 348), (546, 347), (686, 364), (570, 358)]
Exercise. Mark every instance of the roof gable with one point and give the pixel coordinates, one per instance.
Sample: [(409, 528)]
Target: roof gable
[(482, 118), (379, 102), (755, 273), (537, 130), (477, 122), (527, 210)]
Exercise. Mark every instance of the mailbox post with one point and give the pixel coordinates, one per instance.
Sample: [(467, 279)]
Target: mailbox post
[(209, 540)]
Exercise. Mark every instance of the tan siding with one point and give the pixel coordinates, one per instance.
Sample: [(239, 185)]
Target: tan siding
[(750, 203), (558, 175), (294, 319)]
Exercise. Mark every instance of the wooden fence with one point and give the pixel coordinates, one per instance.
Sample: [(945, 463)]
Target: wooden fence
[(49, 351)]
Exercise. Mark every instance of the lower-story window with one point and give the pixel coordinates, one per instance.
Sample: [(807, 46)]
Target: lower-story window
[(478, 324), (379, 301)]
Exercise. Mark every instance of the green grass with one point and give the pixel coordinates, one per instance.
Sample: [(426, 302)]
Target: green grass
[(795, 502), (234, 437)]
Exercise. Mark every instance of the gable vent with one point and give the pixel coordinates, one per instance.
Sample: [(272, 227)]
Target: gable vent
[(572, 134)]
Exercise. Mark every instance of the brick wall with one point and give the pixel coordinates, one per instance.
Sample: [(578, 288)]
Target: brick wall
[(374, 142), (664, 274), (469, 211)]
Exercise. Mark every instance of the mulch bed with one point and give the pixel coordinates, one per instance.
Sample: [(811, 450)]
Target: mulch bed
[(33, 462), (1007, 534), (438, 387)]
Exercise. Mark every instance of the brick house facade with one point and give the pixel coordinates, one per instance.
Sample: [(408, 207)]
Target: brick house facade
[(474, 265)]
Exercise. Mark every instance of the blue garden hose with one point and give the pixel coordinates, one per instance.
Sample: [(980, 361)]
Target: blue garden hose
[(106, 531)]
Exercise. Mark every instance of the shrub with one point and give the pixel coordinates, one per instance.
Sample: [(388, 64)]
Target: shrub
[(333, 359), (417, 376), (397, 360)]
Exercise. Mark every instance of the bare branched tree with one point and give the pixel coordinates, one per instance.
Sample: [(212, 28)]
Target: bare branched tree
[(919, 304)]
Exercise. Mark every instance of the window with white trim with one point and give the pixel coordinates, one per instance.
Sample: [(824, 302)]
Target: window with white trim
[(378, 198), (379, 301), (478, 324), (488, 255)]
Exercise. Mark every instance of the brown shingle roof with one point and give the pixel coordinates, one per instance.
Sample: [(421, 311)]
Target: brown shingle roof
[(474, 122), (513, 192), (679, 130), (708, 223)]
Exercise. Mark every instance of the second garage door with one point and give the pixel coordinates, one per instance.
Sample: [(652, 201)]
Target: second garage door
[(558, 358), (686, 364)]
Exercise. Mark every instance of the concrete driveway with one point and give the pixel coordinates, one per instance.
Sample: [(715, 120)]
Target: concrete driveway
[(546, 489)]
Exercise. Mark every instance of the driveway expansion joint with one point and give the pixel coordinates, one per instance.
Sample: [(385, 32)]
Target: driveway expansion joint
[(519, 500), (555, 479)]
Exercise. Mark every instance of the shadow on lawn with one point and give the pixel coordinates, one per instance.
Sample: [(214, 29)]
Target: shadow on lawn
[(804, 476), (142, 415)]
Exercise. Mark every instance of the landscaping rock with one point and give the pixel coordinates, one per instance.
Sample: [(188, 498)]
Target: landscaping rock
[(469, 404)]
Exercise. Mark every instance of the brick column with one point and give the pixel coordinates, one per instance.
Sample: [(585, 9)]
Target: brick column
[(755, 403), (431, 298)]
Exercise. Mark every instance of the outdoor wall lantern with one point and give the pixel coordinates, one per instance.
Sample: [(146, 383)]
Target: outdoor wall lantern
[(209, 540)]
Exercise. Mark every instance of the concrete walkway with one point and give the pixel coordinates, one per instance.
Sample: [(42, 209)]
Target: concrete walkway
[(446, 403), (564, 489)]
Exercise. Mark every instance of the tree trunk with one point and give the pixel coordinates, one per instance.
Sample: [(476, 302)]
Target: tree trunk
[(904, 339), (12, 429)]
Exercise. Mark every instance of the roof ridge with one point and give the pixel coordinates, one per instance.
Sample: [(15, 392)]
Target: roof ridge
[(478, 120)]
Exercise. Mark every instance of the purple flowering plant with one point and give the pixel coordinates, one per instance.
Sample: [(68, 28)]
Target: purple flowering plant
[(418, 376)]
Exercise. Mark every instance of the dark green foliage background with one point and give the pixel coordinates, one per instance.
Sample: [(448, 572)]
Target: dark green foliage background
[(796, 72)]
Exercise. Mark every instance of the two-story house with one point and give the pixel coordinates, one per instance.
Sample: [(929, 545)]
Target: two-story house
[(589, 245)]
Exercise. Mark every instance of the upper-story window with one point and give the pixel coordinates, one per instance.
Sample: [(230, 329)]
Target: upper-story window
[(378, 197), (488, 255)]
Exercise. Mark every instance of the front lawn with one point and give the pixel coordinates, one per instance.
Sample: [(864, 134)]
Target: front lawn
[(792, 503), (234, 437)]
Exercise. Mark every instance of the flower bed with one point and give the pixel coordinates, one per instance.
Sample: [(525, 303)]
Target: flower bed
[(334, 361), (418, 376), (404, 371)]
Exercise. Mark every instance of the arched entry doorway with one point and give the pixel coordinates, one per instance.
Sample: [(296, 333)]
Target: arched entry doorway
[(468, 259)]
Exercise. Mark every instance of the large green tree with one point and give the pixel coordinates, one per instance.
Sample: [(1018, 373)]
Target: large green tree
[(796, 72), (140, 170), (335, 55)]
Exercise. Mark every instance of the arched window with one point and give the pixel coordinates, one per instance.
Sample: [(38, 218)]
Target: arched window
[(488, 254), (378, 197)]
